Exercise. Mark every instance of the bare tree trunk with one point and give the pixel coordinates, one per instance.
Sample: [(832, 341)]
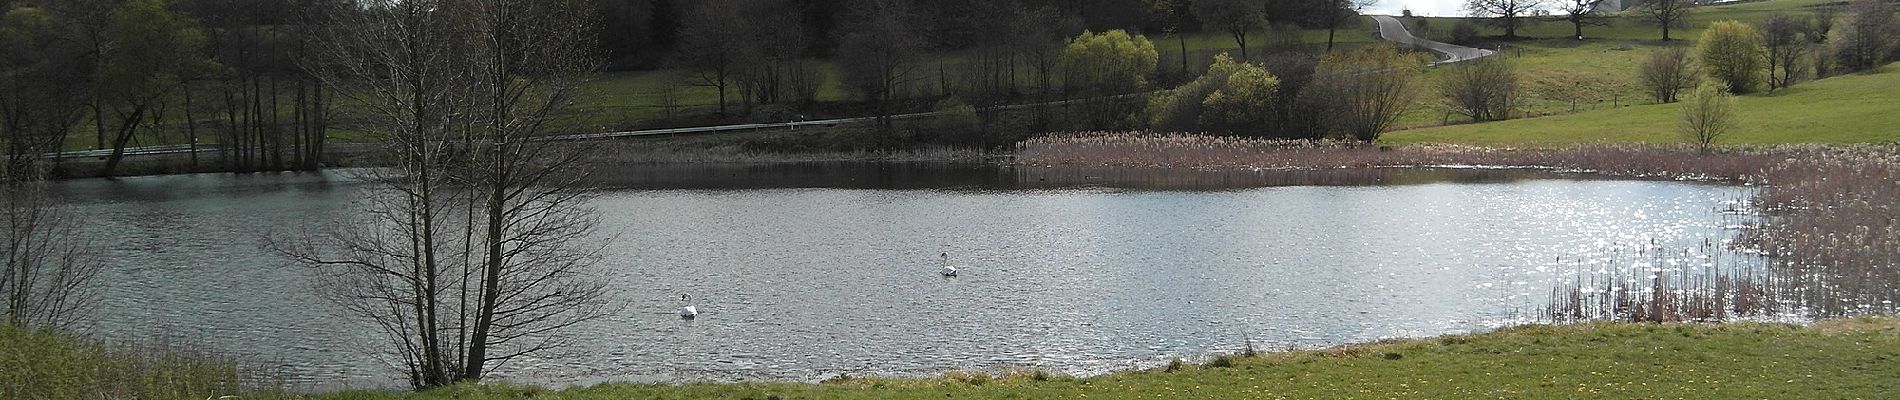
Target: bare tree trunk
[(479, 81), (191, 127), (47, 268)]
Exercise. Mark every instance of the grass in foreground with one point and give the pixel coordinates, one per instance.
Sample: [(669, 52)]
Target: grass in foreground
[(44, 365), (1832, 359), (1858, 108)]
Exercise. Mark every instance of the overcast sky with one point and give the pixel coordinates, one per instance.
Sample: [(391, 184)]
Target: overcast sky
[(1436, 8)]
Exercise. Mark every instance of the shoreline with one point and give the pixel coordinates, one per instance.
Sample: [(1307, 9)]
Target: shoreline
[(1588, 360)]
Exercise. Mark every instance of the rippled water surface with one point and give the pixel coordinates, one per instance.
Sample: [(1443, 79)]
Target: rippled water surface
[(806, 283)]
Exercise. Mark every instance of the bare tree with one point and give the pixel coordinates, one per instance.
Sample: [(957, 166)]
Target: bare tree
[(1868, 35), (476, 251), (1785, 38), (149, 49), (879, 55), (1505, 14), (772, 49), (1665, 13), (1708, 117), (1036, 39), (1235, 17), (1667, 72), (1484, 90), (1582, 12), (1365, 89), (1823, 22), (47, 268), (43, 81), (1335, 14), (713, 46)]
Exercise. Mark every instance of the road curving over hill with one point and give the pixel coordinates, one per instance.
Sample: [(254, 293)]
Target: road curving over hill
[(1390, 29)]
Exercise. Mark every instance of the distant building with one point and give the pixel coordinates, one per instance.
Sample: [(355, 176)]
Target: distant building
[(1609, 6)]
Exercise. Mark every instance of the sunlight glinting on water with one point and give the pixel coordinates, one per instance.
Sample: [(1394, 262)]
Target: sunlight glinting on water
[(804, 284)]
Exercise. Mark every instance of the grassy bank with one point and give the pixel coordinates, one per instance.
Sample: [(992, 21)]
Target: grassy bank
[(1858, 108), (1833, 359), (43, 365)]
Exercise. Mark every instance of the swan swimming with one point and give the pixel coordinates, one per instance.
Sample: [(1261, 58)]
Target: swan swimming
[(948, 270), (688, 311)]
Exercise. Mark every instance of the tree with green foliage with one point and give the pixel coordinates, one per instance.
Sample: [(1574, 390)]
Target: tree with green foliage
[(1232, 98), (1104, 67), (1708, 116), (1868, 36), (1485, 89), (1732, 53), (1665, 14), (150, 50), (1237, 18), (1365, 90), (1109, 63)]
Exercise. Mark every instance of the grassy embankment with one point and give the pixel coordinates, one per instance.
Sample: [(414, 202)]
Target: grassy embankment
[(1562, 75), (1857, 108), (1832, 359), (39, 365)]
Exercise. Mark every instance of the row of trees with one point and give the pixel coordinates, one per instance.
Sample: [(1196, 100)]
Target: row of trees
[(1783, 50), (472, 250), (1739, 57), (1354, 95), (1510, 15), (144, 71), (636, 33), (761, 50)]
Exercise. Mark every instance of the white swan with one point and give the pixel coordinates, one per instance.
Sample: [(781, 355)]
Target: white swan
[(688, 311), (948, 270)]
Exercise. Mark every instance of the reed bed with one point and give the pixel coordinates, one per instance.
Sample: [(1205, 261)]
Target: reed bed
[(1835, 220), (1172, 150), (1660, 285), (1827, 226)]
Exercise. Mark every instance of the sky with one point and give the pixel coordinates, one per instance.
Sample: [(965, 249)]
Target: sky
[(1436, 8)]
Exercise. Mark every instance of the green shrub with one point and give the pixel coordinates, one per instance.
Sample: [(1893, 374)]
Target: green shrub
[(1232, 97), (1112, 62), (1732, 53)]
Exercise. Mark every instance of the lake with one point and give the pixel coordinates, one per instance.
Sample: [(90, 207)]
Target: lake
[(806, 272)]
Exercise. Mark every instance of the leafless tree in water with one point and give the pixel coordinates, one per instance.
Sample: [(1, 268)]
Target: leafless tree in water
[(49, 271), (477, 247)]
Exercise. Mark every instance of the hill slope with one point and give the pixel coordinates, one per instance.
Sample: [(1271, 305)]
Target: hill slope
[(1858, 108)]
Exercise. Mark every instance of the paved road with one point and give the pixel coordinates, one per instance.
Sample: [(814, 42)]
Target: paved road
[(1391, 29), (792, 125)]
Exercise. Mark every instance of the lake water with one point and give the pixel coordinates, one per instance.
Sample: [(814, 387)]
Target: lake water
[(803, 273)]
